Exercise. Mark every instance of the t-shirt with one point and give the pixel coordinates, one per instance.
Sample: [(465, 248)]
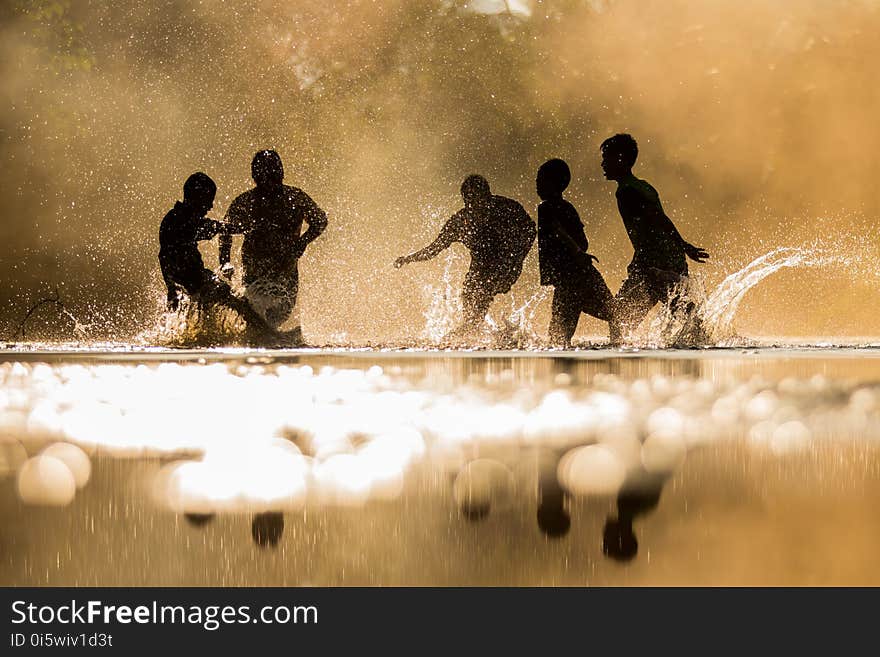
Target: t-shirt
[(179, 234), (271, 222), (559, 262), (498, 238), (656, 242)]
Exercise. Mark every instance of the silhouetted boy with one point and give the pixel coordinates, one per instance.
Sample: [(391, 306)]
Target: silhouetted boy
[(182, 266), (271, 217), (564, 261), (497, 232), (659, 259)]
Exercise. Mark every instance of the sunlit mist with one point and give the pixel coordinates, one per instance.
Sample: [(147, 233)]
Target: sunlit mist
[(756, 122)]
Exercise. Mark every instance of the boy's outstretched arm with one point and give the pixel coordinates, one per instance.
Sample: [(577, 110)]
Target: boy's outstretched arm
[(635, 206), (695, 253), (443, 241)]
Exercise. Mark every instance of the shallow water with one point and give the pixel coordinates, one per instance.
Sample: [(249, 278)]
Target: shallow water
[(235, 467)]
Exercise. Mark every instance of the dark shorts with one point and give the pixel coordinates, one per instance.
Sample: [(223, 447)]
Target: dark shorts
[(478, 283), (644, 288), (587, 291)]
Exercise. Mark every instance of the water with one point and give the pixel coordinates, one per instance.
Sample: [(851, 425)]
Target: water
[(237, 467), (173, 461)]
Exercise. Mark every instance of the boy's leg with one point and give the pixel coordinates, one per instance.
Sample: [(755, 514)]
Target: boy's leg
[(633, 302), (566, 311), (598, 300), (216, 291), (476, 298), (275, 298), (687, 311)]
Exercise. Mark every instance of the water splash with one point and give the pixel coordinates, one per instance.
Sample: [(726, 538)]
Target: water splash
[(516, 330), (273, 299), (194, 325), (708, 320), (444, 305), (720, 307)]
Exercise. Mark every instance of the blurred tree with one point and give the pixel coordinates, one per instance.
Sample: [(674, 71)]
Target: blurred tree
[(55, 30)]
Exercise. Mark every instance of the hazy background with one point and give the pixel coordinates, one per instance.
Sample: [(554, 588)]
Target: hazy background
[(757, 122)]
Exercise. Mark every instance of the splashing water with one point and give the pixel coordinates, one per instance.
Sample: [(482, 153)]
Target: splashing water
[(444, 309), (444, 313), (517, 329), (706, 320), (721, 306), (273, 299), (194, 325), (709, 321)]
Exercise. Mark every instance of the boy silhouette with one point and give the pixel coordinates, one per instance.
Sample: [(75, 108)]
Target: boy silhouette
[(271, 217), (660, 253), (181, 230), (563, 258), (498, 233)]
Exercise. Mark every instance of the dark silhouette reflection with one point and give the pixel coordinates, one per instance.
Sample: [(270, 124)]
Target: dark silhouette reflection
[(563, 258), (660, 255), (640, 494), (181, 230), (479, 486), (267, 528), (476, 512), (553, 518), (271, 218), (498, 233), (199, 519)]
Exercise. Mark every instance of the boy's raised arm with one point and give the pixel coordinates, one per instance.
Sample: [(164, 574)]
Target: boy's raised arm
[(448, 235)]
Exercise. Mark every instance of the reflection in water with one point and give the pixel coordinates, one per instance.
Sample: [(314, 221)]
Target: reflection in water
[(267, 528), (363, 453), (640, 494), (481, 485), (199, 519), (553, 518)]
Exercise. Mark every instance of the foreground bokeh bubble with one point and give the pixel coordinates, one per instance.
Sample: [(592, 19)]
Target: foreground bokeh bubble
[(46, 481), (480, 486), (591, 470), (75, 459)]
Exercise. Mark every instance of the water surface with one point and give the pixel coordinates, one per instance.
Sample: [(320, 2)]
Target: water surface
[(234, 467)]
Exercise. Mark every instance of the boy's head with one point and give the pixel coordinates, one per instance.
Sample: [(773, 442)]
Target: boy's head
[(619, 154), (552, 179), (475, 192), (199, 191), (267, 169)]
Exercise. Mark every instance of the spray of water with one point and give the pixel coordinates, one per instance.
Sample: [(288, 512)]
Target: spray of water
[(705, 320), (194, 325), (444, 305), (708, 320)]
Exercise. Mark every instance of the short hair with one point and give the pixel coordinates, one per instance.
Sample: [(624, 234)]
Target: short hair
[(623, 145), (198, 186), (475, 185), (267, 163), (555, 175)]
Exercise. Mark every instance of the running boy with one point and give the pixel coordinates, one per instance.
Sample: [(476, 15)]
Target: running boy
[(660, 252), (182, 229), (563, 258)]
